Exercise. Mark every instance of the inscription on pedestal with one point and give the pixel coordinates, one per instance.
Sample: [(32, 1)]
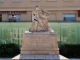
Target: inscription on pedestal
[(39, 42)]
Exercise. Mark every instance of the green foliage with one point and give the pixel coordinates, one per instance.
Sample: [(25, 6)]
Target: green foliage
[(70, 51), (9, 50)]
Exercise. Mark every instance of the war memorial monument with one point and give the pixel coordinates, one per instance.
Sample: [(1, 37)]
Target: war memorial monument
[(40, 42)]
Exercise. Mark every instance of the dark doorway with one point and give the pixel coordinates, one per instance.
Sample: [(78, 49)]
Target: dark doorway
[(0, 17)]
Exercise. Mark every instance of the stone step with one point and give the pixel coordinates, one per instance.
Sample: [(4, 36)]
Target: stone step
[(39, 57)]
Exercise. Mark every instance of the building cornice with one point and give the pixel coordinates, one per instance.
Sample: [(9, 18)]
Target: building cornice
[(32, 8)]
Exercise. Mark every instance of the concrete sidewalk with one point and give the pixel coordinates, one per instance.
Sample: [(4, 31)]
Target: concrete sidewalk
[(11, 59)]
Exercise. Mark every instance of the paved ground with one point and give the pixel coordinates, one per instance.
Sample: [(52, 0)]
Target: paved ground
[(5, 58), (10, 59), (74, 59)]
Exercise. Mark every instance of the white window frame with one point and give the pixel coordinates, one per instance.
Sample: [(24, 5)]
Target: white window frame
[(35, 0), (68, 0), (52, 0), (1, 0), (16, 0)]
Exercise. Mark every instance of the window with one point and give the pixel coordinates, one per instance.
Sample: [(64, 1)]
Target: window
[(18, 17), (69, 17), (51, 0), (16, 0), (35, 0), (68, 0), (1, 0)]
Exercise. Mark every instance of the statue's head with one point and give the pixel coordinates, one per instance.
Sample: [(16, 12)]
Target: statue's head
[(37, 7)]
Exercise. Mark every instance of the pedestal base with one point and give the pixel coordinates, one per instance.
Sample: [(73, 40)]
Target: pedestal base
[(39, 57), (39, 43), (39, 46)]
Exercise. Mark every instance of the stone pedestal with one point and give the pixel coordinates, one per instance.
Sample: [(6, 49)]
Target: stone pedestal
[(39, 45)]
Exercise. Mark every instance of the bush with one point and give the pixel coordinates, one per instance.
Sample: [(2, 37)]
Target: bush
[(70, 51), (9, 50)]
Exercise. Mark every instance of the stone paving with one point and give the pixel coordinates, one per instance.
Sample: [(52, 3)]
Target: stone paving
[(39, 57), (5, 58), (74, 59)]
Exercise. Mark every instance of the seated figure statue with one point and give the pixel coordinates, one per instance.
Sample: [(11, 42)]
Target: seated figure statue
[(40, 22)]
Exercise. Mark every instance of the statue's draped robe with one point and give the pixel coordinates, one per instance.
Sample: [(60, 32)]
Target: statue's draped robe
[(41, 22)]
